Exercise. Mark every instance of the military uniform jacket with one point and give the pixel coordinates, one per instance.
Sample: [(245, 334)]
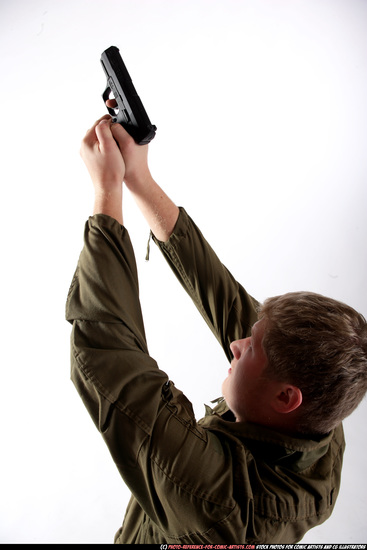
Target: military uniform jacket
[(210, 481)]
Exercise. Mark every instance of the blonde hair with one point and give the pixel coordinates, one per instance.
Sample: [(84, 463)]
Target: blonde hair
[(319, 345)]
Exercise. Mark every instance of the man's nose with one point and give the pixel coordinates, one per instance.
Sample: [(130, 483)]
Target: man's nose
[(237, 347)]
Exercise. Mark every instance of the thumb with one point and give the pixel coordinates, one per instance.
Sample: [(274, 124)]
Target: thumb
[(104, 135)]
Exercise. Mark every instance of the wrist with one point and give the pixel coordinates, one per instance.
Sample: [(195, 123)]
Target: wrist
[(109, 202), (138, 182), (158, 209)]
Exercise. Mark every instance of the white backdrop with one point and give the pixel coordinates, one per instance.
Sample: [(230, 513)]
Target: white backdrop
[(262, 136)]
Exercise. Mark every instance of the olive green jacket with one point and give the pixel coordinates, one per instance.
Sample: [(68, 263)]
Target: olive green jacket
[(192, 482)]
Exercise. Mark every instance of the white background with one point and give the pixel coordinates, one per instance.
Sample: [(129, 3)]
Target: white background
[(262, 136)]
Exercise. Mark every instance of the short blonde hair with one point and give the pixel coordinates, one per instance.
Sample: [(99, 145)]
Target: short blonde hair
[(319, 345)]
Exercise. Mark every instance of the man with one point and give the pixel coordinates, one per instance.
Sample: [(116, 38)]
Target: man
[(264, 465)]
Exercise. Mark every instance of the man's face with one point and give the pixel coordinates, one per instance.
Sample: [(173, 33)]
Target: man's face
[(246, 389)]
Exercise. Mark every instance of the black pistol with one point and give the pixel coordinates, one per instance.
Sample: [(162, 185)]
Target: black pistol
[(130, 112)]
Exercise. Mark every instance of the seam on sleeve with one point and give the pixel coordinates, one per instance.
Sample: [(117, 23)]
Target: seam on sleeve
[(107, 395)]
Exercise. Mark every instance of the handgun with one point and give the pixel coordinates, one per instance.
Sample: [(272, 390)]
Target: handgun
[(129, 112)]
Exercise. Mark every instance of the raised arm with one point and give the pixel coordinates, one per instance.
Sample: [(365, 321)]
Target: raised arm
[(159, 210), (226, 307), (146, 422)]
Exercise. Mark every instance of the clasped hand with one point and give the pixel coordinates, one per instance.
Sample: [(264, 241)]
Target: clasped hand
[(112, 156)]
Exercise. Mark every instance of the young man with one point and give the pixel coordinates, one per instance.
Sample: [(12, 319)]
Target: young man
[(264, 466)]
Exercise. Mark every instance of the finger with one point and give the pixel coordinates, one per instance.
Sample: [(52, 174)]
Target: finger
[(104, 117), (90, 137), (112, 103), (104, 134)]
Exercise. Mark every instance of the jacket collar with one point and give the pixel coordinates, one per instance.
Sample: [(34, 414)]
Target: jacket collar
[(295, 453)]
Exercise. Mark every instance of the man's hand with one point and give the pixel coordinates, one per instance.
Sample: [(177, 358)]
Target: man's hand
[(106, 167), (135, 156), (102, 156)]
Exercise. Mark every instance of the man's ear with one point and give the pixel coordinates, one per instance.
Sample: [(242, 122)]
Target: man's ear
[(288, 399)]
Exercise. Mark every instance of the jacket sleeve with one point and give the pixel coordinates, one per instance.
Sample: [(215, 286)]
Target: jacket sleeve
[(147, 424), (224, 304), (109, 355)]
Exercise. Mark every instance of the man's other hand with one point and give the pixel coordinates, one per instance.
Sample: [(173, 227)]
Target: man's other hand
[(102, 156), (106, 167)]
